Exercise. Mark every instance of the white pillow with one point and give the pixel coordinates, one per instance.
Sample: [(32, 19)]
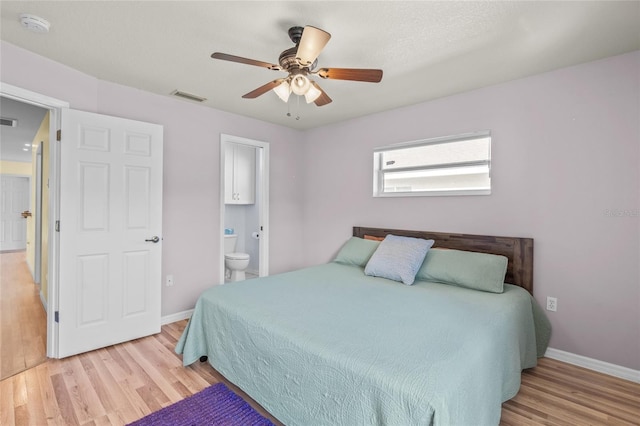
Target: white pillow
[(398, 258)]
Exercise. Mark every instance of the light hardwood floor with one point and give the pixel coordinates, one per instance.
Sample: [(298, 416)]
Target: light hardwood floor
[(23, 322), (122, 383)]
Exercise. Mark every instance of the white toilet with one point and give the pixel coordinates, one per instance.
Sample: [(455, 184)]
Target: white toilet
[(234, 263)]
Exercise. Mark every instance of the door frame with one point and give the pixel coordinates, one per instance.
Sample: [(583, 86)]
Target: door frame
[(37, 255), (262, 173), (54, 106)]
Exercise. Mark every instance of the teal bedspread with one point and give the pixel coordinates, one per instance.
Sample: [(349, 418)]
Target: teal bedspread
[(328, 345)]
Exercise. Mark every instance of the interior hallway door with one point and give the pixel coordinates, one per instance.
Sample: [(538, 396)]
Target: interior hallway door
[(14, 199), (110, 231)]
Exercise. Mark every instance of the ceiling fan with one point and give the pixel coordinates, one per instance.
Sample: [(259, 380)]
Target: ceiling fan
[(300, 62)]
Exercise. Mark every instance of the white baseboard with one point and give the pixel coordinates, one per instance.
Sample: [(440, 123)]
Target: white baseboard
[(594, 364), (178, 316)]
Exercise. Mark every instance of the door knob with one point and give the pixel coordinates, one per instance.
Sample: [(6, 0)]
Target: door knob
[(26, 214), (154, 239)]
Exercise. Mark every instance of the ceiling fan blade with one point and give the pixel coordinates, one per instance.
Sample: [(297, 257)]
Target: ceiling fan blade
[(323, 99), (355, 74), (263, 89), (311, 43), (233, 58)]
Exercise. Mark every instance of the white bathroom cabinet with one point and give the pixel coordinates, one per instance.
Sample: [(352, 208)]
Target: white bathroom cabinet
[(240, 174)]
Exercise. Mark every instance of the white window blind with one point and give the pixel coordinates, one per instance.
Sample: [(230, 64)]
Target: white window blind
[(451, 165)]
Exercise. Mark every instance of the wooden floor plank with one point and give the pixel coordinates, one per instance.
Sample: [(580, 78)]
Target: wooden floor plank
[(7, 415), (596, 401), (87, 404), (139, 407), (47, 394), (564, 410), (20, 396), (153, 380), (122, 383), (97, 383), (149, 355), (121, 368), (34, 398), (571, 395), (109, 391), (63, 398), (23, 321)]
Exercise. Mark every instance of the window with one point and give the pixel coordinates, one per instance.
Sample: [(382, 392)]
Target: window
[(452, 165)]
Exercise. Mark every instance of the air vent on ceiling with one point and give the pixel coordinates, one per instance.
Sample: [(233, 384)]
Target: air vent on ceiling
[(11, 122), (189, 96)]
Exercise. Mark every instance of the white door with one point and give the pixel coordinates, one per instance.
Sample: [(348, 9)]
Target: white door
[(110, 231), (14, 199)]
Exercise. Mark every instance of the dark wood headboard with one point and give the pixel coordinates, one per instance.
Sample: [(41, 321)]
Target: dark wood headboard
[(519, 251)]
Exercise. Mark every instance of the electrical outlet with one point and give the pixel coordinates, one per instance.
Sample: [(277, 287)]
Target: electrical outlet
[(169, 280), (552, 304)]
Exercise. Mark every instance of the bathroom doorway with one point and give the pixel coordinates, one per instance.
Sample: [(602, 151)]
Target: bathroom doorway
[(244, 202)]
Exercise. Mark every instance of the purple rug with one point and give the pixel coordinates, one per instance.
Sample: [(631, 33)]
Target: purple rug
[(214, 406)]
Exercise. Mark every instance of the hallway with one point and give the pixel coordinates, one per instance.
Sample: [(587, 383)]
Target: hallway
[(23, 320)]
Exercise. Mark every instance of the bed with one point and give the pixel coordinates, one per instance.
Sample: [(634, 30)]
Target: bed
[(331, 345)]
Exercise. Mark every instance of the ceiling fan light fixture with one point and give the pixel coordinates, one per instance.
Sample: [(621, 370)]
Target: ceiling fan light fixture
[(283, 91), (311, 44), (312, 94), (300, 84)]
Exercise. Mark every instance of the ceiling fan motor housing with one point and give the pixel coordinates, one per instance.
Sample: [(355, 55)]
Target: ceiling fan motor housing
[(287, 59), (295, 34)]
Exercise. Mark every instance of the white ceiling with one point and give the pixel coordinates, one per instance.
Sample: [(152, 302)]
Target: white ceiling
[(427, 49)]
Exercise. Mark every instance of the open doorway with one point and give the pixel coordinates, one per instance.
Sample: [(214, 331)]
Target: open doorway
[(63, 337), (244, 208), (50, 196), (23, 284)]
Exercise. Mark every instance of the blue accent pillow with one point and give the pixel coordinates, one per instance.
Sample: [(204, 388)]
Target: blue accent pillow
[(356, 251), (477, 271), (398, 258)]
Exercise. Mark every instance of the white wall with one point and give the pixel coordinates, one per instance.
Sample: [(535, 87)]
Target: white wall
[(191, 211), (565, 148)]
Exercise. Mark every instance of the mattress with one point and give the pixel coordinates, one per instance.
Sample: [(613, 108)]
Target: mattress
[(328, 345)]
